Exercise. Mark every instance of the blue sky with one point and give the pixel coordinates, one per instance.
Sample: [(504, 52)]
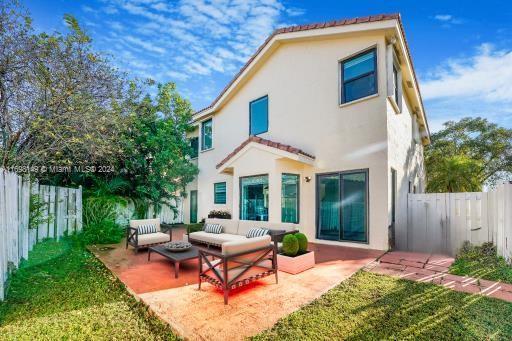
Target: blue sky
[(462, 51)]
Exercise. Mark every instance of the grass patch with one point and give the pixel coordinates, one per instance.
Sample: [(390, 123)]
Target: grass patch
[(62, 292), (370, 306), (481, 262)]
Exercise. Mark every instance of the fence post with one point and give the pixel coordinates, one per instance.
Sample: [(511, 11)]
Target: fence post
[(3, 235), (78, 209)]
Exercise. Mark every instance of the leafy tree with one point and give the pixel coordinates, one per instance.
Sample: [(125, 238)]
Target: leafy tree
[(156, 151), (59, 100), (468, 154)]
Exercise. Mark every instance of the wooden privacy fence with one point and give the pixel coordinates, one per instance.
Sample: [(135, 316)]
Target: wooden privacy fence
[(441, 222), (62, 205)]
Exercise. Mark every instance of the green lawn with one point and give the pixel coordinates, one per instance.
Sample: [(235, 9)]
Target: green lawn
[(482, 262), (369, 306), (63, 292)]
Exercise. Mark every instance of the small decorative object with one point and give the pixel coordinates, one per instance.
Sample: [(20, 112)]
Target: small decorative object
[(178, 246), (295, 257)]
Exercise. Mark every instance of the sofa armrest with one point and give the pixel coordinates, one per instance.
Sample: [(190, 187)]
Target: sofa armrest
[(132, 235)]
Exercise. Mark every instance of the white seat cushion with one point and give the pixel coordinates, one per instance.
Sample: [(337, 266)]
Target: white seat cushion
[(154, 238), (213, 238)]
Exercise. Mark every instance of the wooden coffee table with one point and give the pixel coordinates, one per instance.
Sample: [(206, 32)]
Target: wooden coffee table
[(174, 257)]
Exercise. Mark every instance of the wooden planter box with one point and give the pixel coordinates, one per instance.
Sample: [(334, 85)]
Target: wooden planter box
[(297, 264)]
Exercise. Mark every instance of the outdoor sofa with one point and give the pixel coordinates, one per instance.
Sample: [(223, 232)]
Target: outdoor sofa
[(137, 239), (236, 230), (237, 263), (233, 258)]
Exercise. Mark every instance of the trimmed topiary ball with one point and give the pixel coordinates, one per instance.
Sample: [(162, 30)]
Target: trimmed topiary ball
[(290, 245), (303, 242)]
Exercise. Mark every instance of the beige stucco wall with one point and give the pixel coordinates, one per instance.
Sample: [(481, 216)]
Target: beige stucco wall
[(301, 81), (406, 157)]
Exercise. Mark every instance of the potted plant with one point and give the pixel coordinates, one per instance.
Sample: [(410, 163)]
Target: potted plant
[(295, 257)]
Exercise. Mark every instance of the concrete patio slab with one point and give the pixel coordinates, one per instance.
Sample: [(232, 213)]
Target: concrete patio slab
[(201, 314)]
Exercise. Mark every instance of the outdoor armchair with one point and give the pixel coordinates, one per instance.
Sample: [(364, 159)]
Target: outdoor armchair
[(138, 240)]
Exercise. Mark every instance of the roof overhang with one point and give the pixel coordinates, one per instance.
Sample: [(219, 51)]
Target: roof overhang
[(277, 150)]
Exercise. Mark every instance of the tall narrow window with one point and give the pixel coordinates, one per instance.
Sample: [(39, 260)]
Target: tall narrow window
[(290, 198), (258, 116), (219, 194), (254, 198), (359, 76), (395, 83), (193, 207), (194, 145), (206, 135)]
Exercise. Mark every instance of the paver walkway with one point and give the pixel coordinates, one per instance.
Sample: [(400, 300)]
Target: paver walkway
[(422, 267)]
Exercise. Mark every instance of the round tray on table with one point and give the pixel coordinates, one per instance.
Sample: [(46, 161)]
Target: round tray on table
[(178, 246)]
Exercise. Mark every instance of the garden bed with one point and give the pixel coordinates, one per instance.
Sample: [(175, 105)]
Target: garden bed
[(482, 262)]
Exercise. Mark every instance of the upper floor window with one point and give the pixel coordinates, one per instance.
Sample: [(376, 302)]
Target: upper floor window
[(219, 195), (359, 76), (206, 134), (258, 116), (194, 145)]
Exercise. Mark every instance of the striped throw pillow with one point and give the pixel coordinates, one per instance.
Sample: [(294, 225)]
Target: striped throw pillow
[(256, 232), (146, 229), (213, 228)]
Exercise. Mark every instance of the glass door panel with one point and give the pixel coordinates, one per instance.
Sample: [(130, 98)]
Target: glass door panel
[(328, 207), (193, 207), (353, 207)]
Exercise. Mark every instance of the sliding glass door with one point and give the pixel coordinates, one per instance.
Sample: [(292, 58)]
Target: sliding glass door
[(342, 207)]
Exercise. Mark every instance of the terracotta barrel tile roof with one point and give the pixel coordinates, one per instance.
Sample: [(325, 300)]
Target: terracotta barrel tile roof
[(277, 145)]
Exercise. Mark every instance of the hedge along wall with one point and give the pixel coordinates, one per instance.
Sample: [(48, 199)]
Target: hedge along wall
[(63, 205)]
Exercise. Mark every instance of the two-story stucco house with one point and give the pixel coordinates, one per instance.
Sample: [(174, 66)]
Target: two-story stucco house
[(324, 127)]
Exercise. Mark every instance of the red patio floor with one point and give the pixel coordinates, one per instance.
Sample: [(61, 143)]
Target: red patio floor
[(142, 276)]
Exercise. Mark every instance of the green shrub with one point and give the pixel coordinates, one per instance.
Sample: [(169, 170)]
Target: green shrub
[(102, 232), (100, 225), (194, 227), (303, 242), (481, 262), (290, 245)]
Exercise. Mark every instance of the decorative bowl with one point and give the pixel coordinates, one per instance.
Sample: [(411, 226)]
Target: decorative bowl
[(179, 246)]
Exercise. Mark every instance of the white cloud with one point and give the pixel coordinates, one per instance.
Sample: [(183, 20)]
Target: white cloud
[(295, 12), (198, 41), (448, 20), (443, 17), (144, 44), (485, 76), (478, 85)]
